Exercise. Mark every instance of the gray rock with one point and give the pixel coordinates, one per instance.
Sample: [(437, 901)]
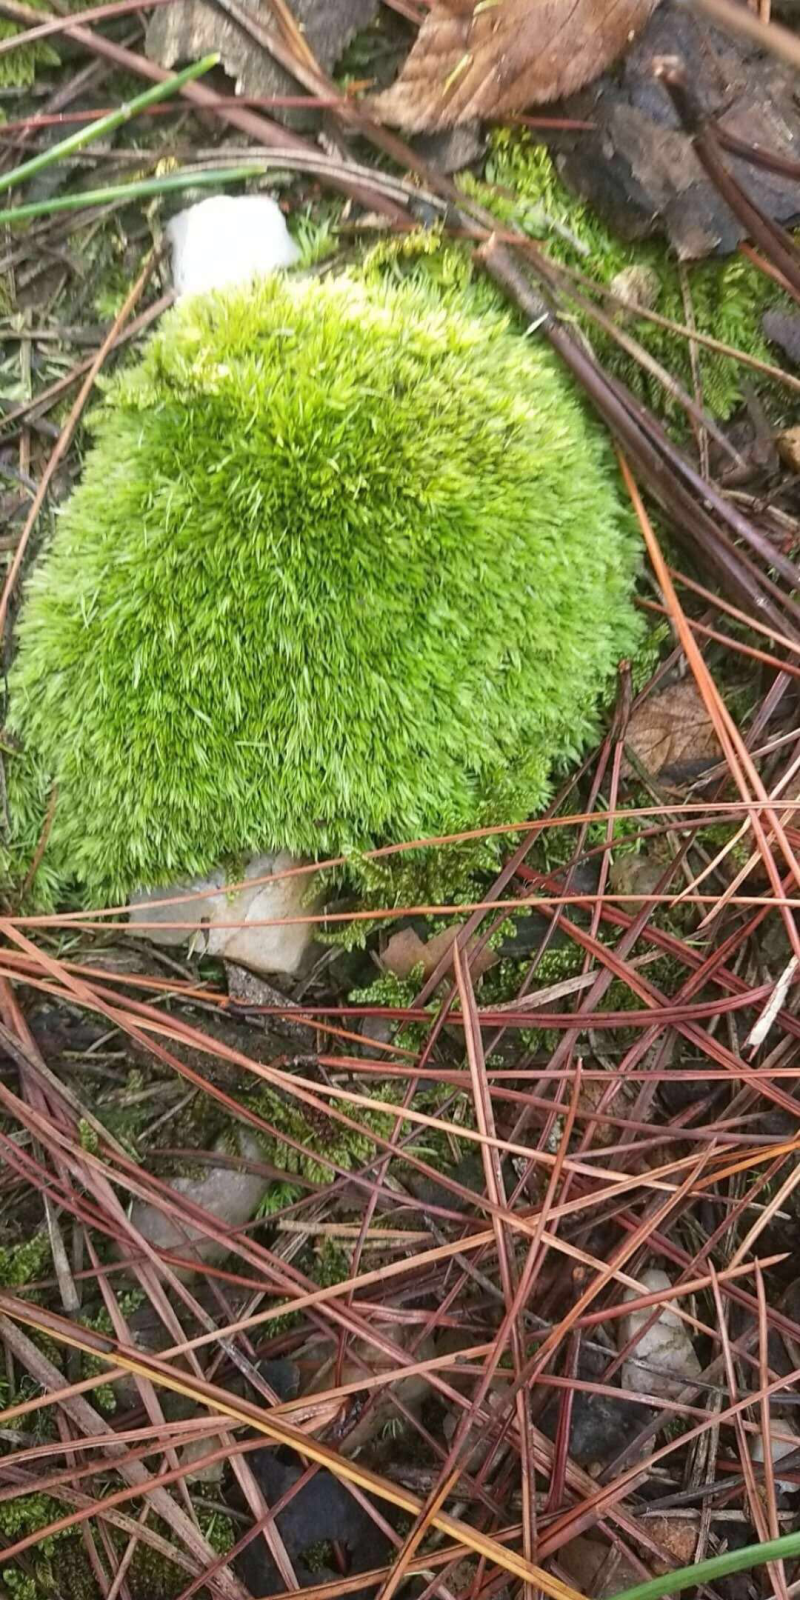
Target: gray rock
[(663, 1361), (279, 948), (323, 1511), (637, 166), (230, 1196)]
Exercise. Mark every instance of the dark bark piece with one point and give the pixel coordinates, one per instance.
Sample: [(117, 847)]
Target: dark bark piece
[(472, 60), (189, 29), (783, 329), (638, 168), (451, 149)]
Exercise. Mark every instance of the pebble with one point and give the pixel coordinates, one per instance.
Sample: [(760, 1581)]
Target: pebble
[(280, 948), (230, 1196), (664, 1361)]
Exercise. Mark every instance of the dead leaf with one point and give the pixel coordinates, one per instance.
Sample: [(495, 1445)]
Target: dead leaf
[(677, 1535), (405, 951), (671, 734), (483, 58)]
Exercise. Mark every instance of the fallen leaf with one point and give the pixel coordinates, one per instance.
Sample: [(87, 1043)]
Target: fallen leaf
[(405, 951), (671, 734), (483, 58)]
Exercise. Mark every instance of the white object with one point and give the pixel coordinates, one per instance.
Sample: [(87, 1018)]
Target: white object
[(664, 1360), (279, 948), (779, 1447), (228, 240)]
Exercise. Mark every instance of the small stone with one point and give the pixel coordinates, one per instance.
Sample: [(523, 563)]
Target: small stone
[(279, 948), (231, 1196), (324, 1510), (361, 1362), (452, 149), (640, 285), (788, 444), (377, 1030), (601, 1425), (250, 990), (783, 329), (664, 1361), (194, 1451), (228, 240), (780, 1447), (675, 1534)]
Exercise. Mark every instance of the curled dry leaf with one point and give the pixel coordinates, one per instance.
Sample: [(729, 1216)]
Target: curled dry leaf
[(405, 951), (671, 735), (483, 58)]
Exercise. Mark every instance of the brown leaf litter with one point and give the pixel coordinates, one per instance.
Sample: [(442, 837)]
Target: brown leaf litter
[(484, 58), (671, 735)]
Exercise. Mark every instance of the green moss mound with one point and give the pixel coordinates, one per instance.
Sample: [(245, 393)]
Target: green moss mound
[(344, 565)]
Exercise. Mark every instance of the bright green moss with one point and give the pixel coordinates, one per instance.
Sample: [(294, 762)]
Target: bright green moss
[(18, 69), (344, 566), (728, 296)]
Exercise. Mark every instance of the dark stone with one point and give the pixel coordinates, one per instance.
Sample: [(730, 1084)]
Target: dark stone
[(783, 329), (600, 1426), (452, 149), (638, 168), (323, 1512)]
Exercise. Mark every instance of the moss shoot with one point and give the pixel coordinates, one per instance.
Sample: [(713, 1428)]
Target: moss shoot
[(344, 565)]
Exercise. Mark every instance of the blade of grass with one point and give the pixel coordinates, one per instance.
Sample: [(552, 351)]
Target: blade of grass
[(129, 191), (115, 119), (702, 1572)]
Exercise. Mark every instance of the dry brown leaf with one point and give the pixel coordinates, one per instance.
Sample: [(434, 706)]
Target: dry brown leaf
[(405, 951), (597, 1568), (677, 1534), (671, 734), (188, 29), (483, 58)]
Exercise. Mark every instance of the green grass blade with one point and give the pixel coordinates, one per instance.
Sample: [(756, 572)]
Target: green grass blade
[(130, 191), (752, 1555), (96, 130)]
